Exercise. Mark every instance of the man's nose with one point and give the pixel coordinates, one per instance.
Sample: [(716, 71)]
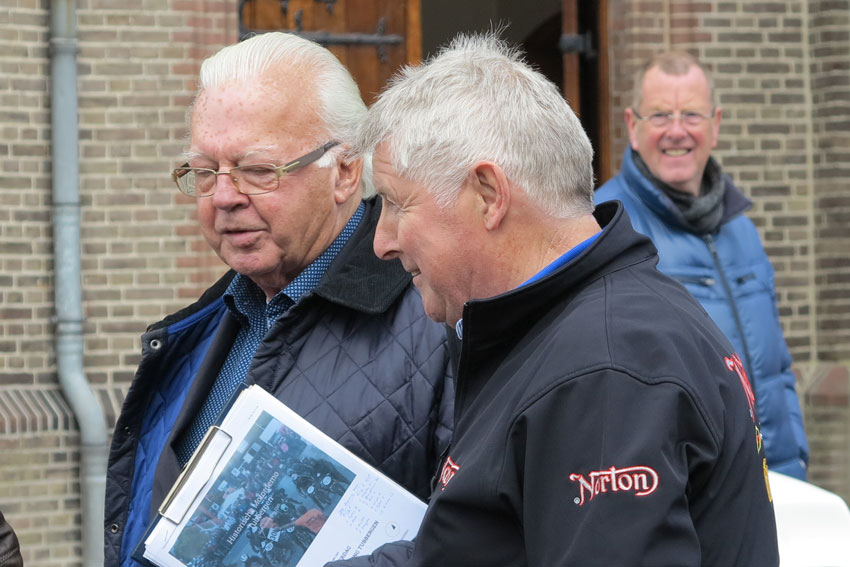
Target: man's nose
[(384, 244), (676, 128), (227, 194)]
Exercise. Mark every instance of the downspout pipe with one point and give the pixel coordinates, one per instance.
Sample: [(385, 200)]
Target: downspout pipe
[(68, 288)]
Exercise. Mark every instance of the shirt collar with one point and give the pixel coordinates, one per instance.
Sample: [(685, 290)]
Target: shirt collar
[(308, 279), (560, 261)]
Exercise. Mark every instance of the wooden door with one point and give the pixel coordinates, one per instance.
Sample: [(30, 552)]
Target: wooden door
[(584, 49), (372, 38)]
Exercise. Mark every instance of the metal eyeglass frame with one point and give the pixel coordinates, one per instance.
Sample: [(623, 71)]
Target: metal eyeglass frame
[(280, 170), (671, 116)]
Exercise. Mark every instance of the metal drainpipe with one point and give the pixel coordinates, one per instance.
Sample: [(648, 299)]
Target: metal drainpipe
[(68, 289)]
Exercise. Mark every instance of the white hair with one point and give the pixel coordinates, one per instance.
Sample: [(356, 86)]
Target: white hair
[(478, 100), (338, 98)]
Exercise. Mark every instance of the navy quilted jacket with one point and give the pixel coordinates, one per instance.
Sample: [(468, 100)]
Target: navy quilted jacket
[(357, 357), (729, 273)]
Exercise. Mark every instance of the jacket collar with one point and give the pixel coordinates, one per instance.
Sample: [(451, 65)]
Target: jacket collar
[(358, 279), (734, 202), (492, 321)]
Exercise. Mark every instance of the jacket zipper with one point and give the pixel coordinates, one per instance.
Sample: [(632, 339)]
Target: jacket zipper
[(709, 241)]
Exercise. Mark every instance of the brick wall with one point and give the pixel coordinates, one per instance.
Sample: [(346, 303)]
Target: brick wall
[(827, 405), (827, 420), (142, 253), (830, 76), (39, 474)]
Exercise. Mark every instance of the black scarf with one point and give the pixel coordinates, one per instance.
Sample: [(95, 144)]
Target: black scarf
[(704, 213)]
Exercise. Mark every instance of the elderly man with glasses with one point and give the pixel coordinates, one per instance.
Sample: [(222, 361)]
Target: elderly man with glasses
[(677, 194), (306, 311)]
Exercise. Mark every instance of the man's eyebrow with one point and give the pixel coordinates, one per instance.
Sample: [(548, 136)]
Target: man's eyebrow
[(191, 154), (259, 150)]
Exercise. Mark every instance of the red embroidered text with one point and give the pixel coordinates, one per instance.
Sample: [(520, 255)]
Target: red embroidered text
[(734, 364), (639, 480), (450, 468)]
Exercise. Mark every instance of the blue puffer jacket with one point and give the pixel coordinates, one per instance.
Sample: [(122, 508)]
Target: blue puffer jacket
[(357, 357), (729, 273)]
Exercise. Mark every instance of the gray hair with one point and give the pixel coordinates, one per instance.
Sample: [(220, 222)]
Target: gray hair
[(478, 100), (676, 63), (339, 104)]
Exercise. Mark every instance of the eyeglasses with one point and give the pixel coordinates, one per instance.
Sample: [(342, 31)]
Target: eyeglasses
[(664, 119), (253, 179)]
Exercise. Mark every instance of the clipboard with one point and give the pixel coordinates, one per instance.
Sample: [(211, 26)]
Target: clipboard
[(264, 480), (189, 483)]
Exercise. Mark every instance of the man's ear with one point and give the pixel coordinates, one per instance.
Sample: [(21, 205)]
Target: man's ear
[(493, 192), (715, 127), (348, 179), (632, 124)]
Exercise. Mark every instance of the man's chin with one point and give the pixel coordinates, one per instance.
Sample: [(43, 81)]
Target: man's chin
[(250, 266), (435, 310), (678, 179), (435, 315), (245, 264)]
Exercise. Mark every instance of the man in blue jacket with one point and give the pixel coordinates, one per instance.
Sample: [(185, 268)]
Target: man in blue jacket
[(677, 194), (306, 311)]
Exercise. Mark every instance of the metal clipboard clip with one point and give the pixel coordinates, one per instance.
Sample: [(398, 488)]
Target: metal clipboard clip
[(195, 475)]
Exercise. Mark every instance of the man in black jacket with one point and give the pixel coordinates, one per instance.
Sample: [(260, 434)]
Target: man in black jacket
[(307, 311), (601, 417)]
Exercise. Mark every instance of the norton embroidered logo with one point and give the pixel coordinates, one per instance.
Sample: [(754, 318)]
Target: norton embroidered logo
[(450, 468), (734, 364), (639, 480)]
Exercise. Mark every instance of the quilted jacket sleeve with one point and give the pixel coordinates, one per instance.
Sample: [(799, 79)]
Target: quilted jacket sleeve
[(10, 551)]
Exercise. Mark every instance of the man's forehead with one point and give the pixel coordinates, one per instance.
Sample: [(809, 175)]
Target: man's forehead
[(693, 76), (691, 86), (384, 175), (382, 163), (237, 122), (268, 103)]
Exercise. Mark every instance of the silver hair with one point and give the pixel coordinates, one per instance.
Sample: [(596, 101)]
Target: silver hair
[(338, 98), (478, 100)]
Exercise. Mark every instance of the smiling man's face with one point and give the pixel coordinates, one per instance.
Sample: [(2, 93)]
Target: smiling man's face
[(676, 153)]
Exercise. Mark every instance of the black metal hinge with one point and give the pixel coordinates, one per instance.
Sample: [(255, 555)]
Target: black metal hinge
[(581, 43)]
